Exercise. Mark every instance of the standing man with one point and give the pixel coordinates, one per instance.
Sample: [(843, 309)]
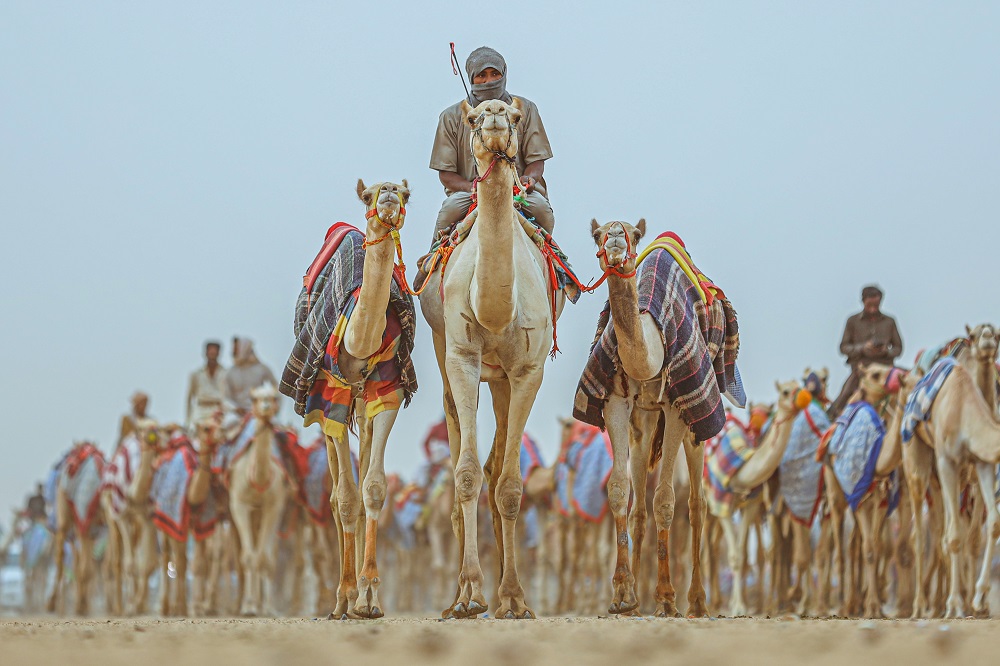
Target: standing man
[(452, 157), (869, 337), (140, 407), (246, 374), (206, 388)]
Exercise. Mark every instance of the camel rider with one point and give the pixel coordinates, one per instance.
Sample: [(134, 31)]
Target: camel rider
[(437, 452), (452, 157), (246, 374), (206, 388), (869, 337)]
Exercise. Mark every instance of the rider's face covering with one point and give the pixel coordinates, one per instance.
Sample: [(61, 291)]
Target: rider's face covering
[(479, 60)]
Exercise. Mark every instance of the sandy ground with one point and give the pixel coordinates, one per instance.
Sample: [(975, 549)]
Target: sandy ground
[(289, 642)]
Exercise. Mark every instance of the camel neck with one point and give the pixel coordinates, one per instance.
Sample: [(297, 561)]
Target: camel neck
[(986, 380), (260, 475), (143, 479), (493, 287), (367, 324)]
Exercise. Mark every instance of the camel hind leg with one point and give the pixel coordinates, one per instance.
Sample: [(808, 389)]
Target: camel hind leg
[(694, 454), (663, 513), (986, 475)]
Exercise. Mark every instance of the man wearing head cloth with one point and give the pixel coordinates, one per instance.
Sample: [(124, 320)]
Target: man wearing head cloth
[(869, 337), (452, 157)]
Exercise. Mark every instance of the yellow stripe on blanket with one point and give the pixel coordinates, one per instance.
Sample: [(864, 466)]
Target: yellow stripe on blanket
[(670, 242)]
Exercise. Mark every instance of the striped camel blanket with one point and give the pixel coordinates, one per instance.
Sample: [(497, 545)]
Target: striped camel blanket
[(921, 400), (120, 470), (312, 377), (801, 475), (701, 342), (725, 455), (531, 458), (562, 494), (855, 445), (314, 490), (589, 460), (79, 474), (172, 474)]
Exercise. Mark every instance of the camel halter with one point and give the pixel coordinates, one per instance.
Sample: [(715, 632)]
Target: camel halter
[(393, 232), (615, 270), (498, 155)]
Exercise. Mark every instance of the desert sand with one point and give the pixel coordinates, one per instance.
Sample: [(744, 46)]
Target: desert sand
[(404, 641)]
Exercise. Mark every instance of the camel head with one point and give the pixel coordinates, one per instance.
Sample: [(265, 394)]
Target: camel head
[(792, 399), (264, 402), (877, 381), (149, 433), (815, 381), (386, 203), (983, 341), (494, 128), (616, 242), (208, 431)]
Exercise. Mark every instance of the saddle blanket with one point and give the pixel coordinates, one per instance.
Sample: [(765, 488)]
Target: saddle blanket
[(921, 400), (725, 455), (801, 474), (855, 446)]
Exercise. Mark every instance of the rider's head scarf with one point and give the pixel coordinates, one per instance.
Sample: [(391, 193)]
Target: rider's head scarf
[(479, 60)]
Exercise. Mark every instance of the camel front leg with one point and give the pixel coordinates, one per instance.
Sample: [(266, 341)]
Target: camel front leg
[(509, 492), (267, 546), (737, 606), (986, 474), (344, 502), (463, 367), (951, 544), (500, 393), (695, 456), (617, 416), (374, 489), (643, 428), (865, 518)]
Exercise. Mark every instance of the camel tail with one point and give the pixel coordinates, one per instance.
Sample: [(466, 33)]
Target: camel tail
[(656, 451)]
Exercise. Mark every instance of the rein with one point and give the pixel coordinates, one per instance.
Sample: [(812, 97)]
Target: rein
[(399, 266)]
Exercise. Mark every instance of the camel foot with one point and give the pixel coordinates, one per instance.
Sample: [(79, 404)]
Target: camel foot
[(624, 599), (666, 609), (632, 613), (697, 608), (465, 610), (368, 605), (512, 607)]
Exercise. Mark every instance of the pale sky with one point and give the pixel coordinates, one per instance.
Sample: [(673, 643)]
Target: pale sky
[(168, 170)]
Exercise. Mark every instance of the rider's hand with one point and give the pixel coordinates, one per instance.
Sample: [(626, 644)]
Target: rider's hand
[(528, 182)]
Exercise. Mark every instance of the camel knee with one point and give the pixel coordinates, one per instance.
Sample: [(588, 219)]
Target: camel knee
[(347, 504), (663, 514), (618, 493), (468, 482), (508, 496), (375, 495)]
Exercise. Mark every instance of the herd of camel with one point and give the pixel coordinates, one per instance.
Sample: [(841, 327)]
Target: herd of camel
[(247, 498)]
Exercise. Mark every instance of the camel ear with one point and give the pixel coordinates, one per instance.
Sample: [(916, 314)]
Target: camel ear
[(406, 191), (824, 374), (777, 385), (640, 229), (467, 113), (361, 193), (968, 331), (805, 373), (518, 111), (594, 228)]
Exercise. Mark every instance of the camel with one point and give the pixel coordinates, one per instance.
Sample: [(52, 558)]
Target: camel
[(258, 491), (976, 355), (759, 466), (870, 514), (957, 428), (75, 507), (492, 311), (645, 425), (132, 548)]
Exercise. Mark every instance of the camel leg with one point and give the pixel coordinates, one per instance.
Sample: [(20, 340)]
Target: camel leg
[(510, 490), (500, 393), (59, 546), (344, 502), (865, 520), (986, 475), (663, 513), (695, 456), (374, 489), (916, 466), (642, 440), (83, 565), (617, 412), (905, 588), (463, 368), (951, 543), (266, 547), (737, 606)]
